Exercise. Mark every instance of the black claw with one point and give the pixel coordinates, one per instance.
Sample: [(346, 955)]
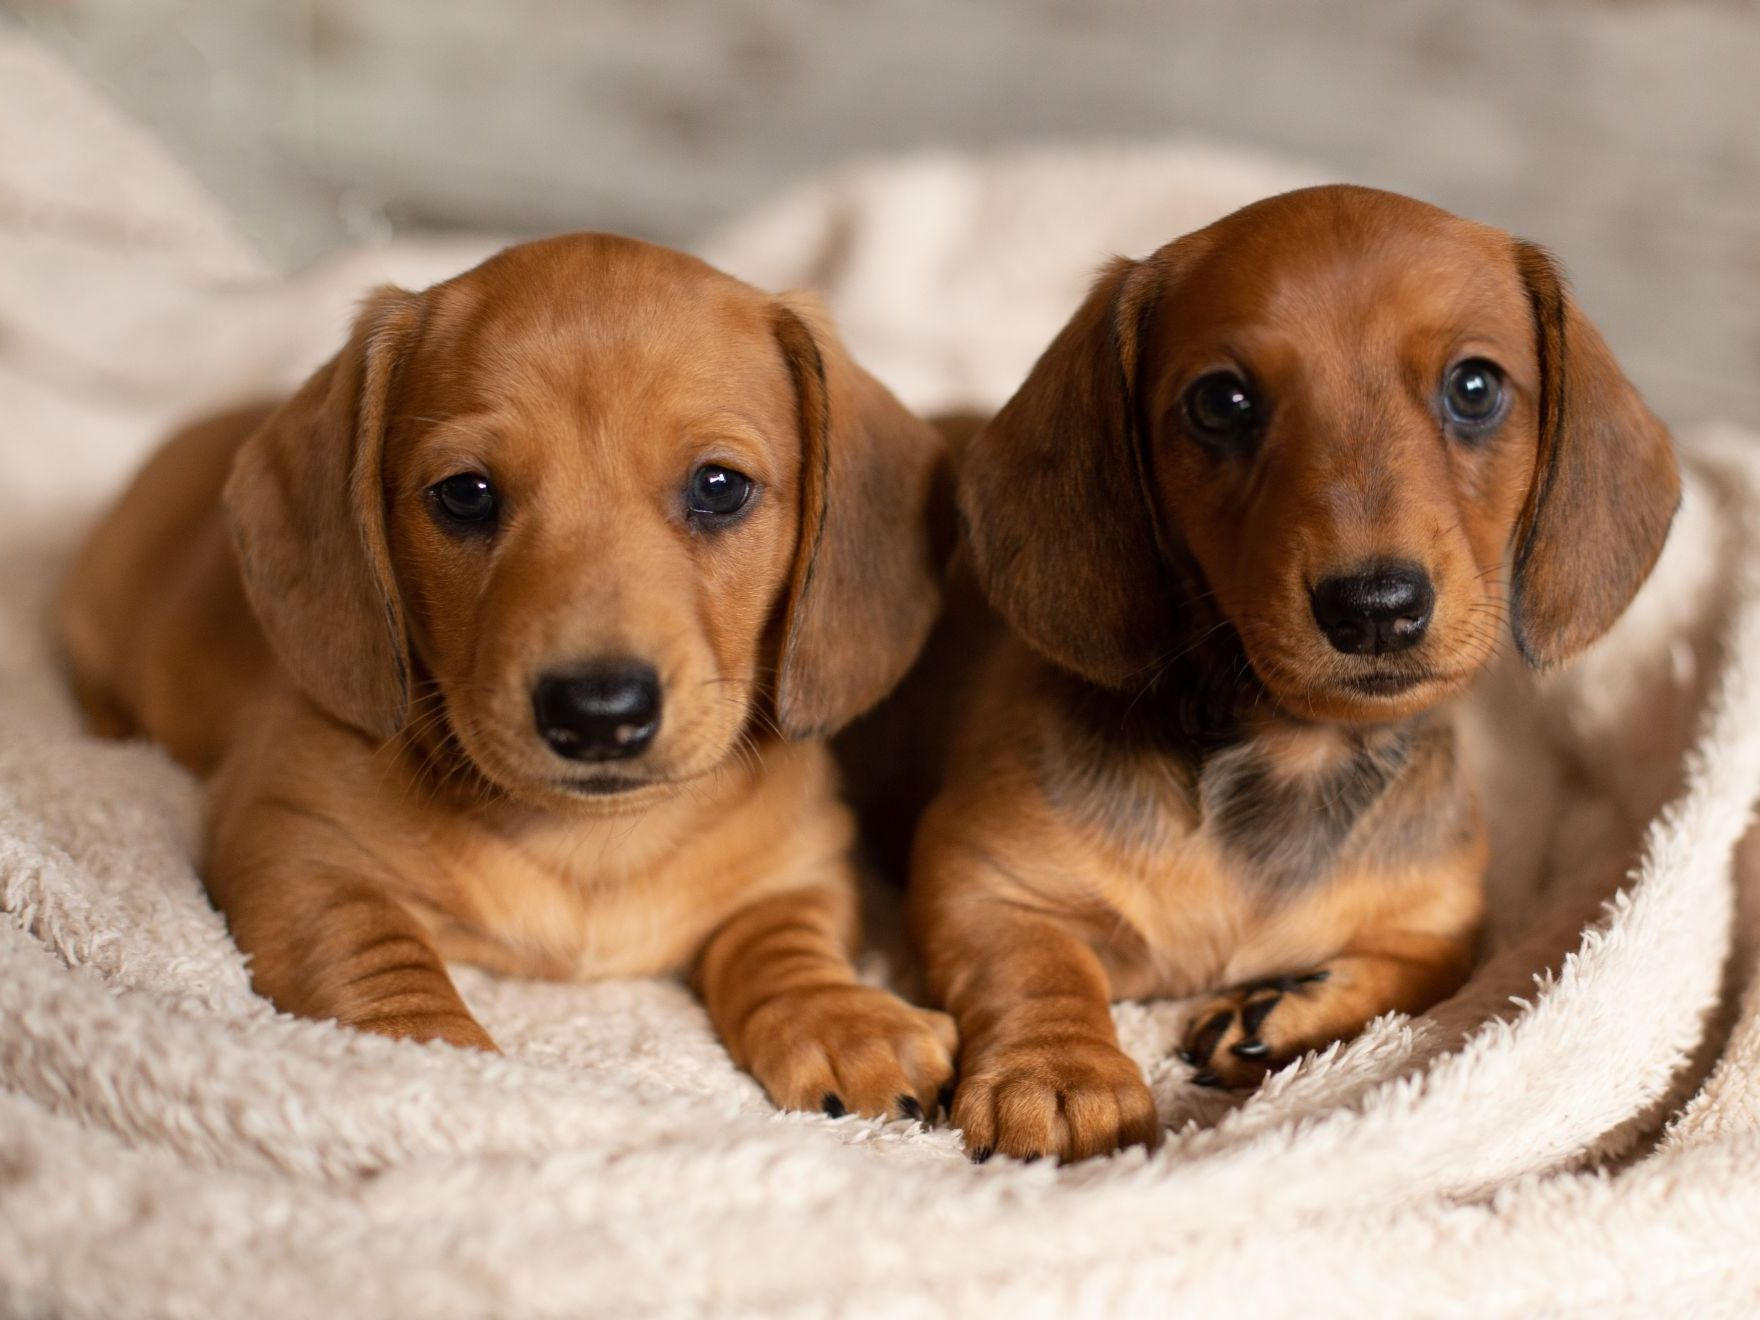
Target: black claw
[(1251, 1048), (945, 1099), (1206, 1078), (1033, 1158), (1253, 1014), (1204, 1042), (908, 1103), (833, 1104), (980, 1154)]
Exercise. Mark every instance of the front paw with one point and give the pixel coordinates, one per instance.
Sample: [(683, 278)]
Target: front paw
[(851, 1049), (1071, 1097), (1244, 1034), (458, 1029)]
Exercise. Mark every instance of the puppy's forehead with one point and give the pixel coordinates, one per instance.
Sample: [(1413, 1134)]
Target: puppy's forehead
[(1340, 259), (601, 317)]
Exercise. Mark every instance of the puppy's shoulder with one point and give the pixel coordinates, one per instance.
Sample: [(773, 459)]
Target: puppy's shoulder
[(1046, 766), (296, 781)]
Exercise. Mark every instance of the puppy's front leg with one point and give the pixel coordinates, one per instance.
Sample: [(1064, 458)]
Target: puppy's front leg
[(340, 948), (1418, 952), (1041, 1072), (1253, 1029), (780, 988)]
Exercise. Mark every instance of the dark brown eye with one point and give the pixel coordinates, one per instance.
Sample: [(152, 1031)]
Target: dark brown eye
[(466, 500), (1473, 396), (717, 492), (1223, 411)]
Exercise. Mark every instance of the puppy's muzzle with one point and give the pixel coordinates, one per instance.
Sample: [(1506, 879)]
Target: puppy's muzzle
[(1377, 612), (607, 711)]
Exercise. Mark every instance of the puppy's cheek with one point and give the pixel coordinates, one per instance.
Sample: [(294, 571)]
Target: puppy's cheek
[(492, 721), (707, 730), (1467, 633), (1279, 633), (495, 722), (702, 710), (1292, 670), (485, 745)]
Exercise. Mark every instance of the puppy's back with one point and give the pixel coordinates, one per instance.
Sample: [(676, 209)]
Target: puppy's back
[(152, 620)]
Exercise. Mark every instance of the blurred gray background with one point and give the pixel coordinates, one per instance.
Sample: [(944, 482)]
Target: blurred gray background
[(1625, 134)]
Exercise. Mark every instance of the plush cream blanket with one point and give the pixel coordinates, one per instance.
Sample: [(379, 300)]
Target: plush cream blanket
[(1579, 1128)]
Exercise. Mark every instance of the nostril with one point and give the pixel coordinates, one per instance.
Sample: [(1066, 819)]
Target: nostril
[(599, 712), (1377, 611)]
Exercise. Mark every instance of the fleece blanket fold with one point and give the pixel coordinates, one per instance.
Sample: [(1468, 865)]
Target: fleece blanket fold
[(1578, 1129)]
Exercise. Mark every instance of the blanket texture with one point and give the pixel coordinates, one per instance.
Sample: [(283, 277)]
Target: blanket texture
[(1578, 1129)]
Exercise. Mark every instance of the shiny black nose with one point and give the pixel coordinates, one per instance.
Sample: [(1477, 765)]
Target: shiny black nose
[(1385, 609), (598, 712)]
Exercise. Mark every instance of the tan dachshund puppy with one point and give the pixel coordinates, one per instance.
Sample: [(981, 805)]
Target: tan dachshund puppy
[(1267, 503), (512, 639)]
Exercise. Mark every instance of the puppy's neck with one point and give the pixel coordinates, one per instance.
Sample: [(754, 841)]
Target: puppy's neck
[(1282, 795), (1195, 712)]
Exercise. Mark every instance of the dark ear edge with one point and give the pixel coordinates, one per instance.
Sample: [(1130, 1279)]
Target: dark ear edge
[(864, 588), (1055, 500), (305, 507), (1605, 486)]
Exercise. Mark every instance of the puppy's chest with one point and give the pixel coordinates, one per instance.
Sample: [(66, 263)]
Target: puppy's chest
[(626, 896), (597, 900), (1291, 806), (1231, 857)]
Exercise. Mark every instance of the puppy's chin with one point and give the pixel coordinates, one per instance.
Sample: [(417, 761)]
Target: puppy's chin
[(1359, 693), (618, 788), (582, 790), (601, 795)]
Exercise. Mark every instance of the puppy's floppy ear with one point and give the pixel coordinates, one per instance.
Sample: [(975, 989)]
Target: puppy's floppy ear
[(1054, 497), (306, 505), (865, 586), (1605, 484)]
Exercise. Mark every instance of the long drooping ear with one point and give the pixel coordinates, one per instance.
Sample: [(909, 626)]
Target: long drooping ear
[(875, 532), (1605, 484), (306, 506), (1054, 498)]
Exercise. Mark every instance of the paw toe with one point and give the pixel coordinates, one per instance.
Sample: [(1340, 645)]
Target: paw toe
[(1255, 1011), (1208, 1036)]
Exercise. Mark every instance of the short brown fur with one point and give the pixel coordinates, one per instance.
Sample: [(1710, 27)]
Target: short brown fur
[(382, 801), (1165, 781)]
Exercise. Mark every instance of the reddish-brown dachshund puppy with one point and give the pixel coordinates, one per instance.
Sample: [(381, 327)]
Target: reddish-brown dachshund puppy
[(1268, 502), (512, 638)]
